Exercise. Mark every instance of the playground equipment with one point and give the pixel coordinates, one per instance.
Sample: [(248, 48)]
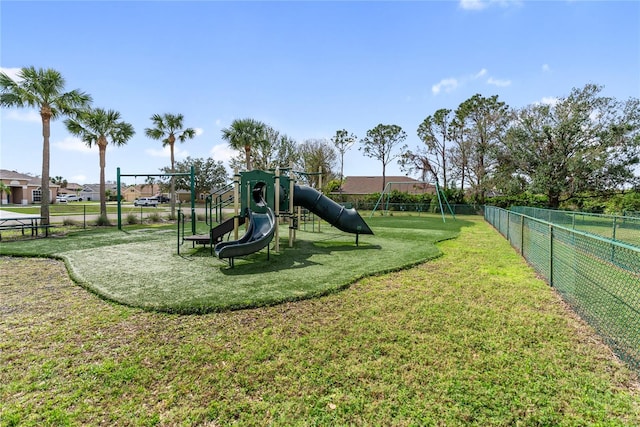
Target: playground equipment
[(192, 181), (387, 193), (264, 198)]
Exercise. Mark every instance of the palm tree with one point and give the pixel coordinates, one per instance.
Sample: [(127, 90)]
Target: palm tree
[(58, 180), (43, 89), (245, 134), (151, 181), (4, 189), (97, 127), (168, 128)]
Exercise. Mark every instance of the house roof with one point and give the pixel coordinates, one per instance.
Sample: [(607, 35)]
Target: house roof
[(373, 184), (73, 186), (7, 174), (17, 176), (91, 188)]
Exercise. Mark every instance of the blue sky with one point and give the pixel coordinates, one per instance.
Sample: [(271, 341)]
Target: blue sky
[(306, 68)]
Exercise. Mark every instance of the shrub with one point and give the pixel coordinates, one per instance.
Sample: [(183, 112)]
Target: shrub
[(631, 202), (524, 199), (154, 217), (132, 218), (371, 198), (454, 196), (595, 205), (332, 186), (103, 221), (68, 222)]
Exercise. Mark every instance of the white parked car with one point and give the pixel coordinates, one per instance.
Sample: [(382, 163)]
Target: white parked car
[(64, 198), (146, 201)]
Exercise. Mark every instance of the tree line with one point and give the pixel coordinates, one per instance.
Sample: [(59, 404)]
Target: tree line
[(583, 143)]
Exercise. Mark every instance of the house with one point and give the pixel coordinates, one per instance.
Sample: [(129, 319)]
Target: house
[(91, 192), (132, 192), (23, 189), (71, 188), (183, 196), (359, 186), (88, 192)]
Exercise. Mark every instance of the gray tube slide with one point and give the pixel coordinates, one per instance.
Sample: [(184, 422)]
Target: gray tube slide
[(347, 220)]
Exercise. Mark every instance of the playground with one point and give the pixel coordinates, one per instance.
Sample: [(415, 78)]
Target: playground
[(261, 250), (469, 338), (403, 319), (140, 267)]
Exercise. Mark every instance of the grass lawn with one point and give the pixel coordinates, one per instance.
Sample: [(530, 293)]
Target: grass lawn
[(78, 208), (141, 268), (470, 338)]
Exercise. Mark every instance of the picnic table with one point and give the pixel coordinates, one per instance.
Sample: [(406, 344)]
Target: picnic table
[(23, 222)]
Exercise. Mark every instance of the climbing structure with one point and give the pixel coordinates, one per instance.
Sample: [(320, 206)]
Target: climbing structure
[(264, 199)]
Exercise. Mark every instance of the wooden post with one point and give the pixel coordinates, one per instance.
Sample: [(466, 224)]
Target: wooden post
[(320, 190), (277, 203), (292, 220), (236, 201)]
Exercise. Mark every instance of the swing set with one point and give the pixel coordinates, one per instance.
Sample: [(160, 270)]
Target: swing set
[(385, 197), (191, 176)]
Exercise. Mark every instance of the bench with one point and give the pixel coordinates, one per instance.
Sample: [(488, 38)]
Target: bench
[(22, 224)]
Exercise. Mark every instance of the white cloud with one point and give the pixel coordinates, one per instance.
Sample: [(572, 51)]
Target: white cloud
[(445, 84), (484, 4), (549, 100), (222, 152), (165, 152), (24, 116), (11, 72), (473, 4), (546, 68), (79, 179), (199, 131), (73, 144), (498, 82), (480, 73), (218, 122), (452, 83)]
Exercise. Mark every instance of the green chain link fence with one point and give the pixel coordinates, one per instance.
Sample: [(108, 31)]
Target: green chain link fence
[(625, 228), (598, 277), (431, 207)]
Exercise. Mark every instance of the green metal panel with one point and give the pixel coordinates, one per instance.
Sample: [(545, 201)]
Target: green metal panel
[(258, 183)]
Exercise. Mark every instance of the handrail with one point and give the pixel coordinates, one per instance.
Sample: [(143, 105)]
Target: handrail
[(221, 203), (180, 224), (209, 206)]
